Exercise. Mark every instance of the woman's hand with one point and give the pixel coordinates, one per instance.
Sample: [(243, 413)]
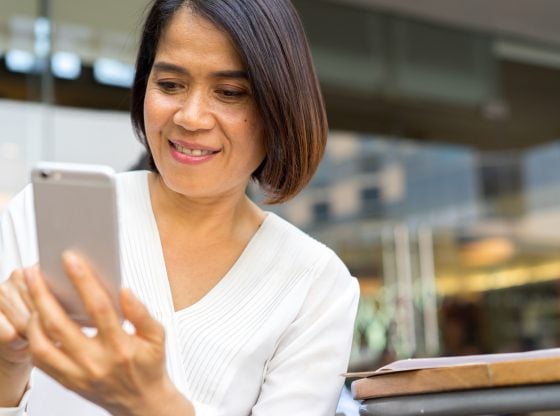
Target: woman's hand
[(15, 358), (124, 373)]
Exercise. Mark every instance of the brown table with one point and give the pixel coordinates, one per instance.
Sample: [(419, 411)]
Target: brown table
[(462, 386)]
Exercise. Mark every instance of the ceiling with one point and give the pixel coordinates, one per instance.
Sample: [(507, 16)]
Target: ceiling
[(526, 114), (533, 19)]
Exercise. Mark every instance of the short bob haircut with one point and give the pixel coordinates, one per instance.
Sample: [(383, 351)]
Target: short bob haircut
[(271, 42)]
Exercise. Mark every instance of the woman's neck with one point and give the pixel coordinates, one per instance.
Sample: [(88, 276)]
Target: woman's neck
[(228, 216)]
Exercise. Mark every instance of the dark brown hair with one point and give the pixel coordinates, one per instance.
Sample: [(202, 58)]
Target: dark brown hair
[(271, 42)]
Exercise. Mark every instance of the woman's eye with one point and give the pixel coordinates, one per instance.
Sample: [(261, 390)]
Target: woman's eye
[(168, 86), (229, 94)]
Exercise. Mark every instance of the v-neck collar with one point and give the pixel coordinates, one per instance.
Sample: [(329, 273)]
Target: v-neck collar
[(222, 285)]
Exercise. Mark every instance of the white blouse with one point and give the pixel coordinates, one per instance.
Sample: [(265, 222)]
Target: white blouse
[(272, 338)]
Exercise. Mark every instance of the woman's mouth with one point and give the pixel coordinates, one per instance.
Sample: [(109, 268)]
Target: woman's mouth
[(192, 152)]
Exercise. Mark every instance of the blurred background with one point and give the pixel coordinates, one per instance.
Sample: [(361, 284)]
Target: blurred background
[(440, 188)]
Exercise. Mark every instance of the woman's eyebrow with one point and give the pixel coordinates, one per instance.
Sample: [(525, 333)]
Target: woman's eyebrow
[(169, 67), (230, 74)]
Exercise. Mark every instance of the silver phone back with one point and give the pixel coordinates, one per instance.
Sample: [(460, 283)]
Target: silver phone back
[(76, 208)]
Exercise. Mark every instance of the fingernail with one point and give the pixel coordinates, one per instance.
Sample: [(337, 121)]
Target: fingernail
[(5, 326), (29, 276), (19, 344), (72, 261), (124, 296)]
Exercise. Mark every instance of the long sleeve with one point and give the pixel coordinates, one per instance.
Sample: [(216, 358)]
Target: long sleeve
[(305, 375), (17, 234), (17, 249)]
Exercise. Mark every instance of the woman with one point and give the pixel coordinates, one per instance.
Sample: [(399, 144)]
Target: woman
[(235, 311)]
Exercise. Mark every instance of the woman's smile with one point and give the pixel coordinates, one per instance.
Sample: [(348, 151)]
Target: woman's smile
[(191, 154)]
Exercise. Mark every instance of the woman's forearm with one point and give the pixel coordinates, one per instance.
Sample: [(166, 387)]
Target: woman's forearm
[(14, 379), (176, 405), (164, 399)]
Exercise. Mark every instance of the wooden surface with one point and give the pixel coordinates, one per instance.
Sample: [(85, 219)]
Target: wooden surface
[(459, 377)]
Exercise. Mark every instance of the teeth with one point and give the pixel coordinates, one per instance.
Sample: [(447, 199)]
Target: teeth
[(192, 152)]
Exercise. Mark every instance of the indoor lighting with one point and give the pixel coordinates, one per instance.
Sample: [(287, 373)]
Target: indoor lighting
[(454, 284), (112, 72), (66, 65), (486, 252), (18, 60)]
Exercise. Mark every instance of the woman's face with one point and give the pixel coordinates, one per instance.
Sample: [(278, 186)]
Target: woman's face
[(202, 124)]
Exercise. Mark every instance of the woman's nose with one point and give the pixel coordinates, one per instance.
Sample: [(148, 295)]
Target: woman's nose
[(194, 114)]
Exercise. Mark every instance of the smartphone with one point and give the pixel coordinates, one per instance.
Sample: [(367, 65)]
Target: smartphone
[(76, 209)]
